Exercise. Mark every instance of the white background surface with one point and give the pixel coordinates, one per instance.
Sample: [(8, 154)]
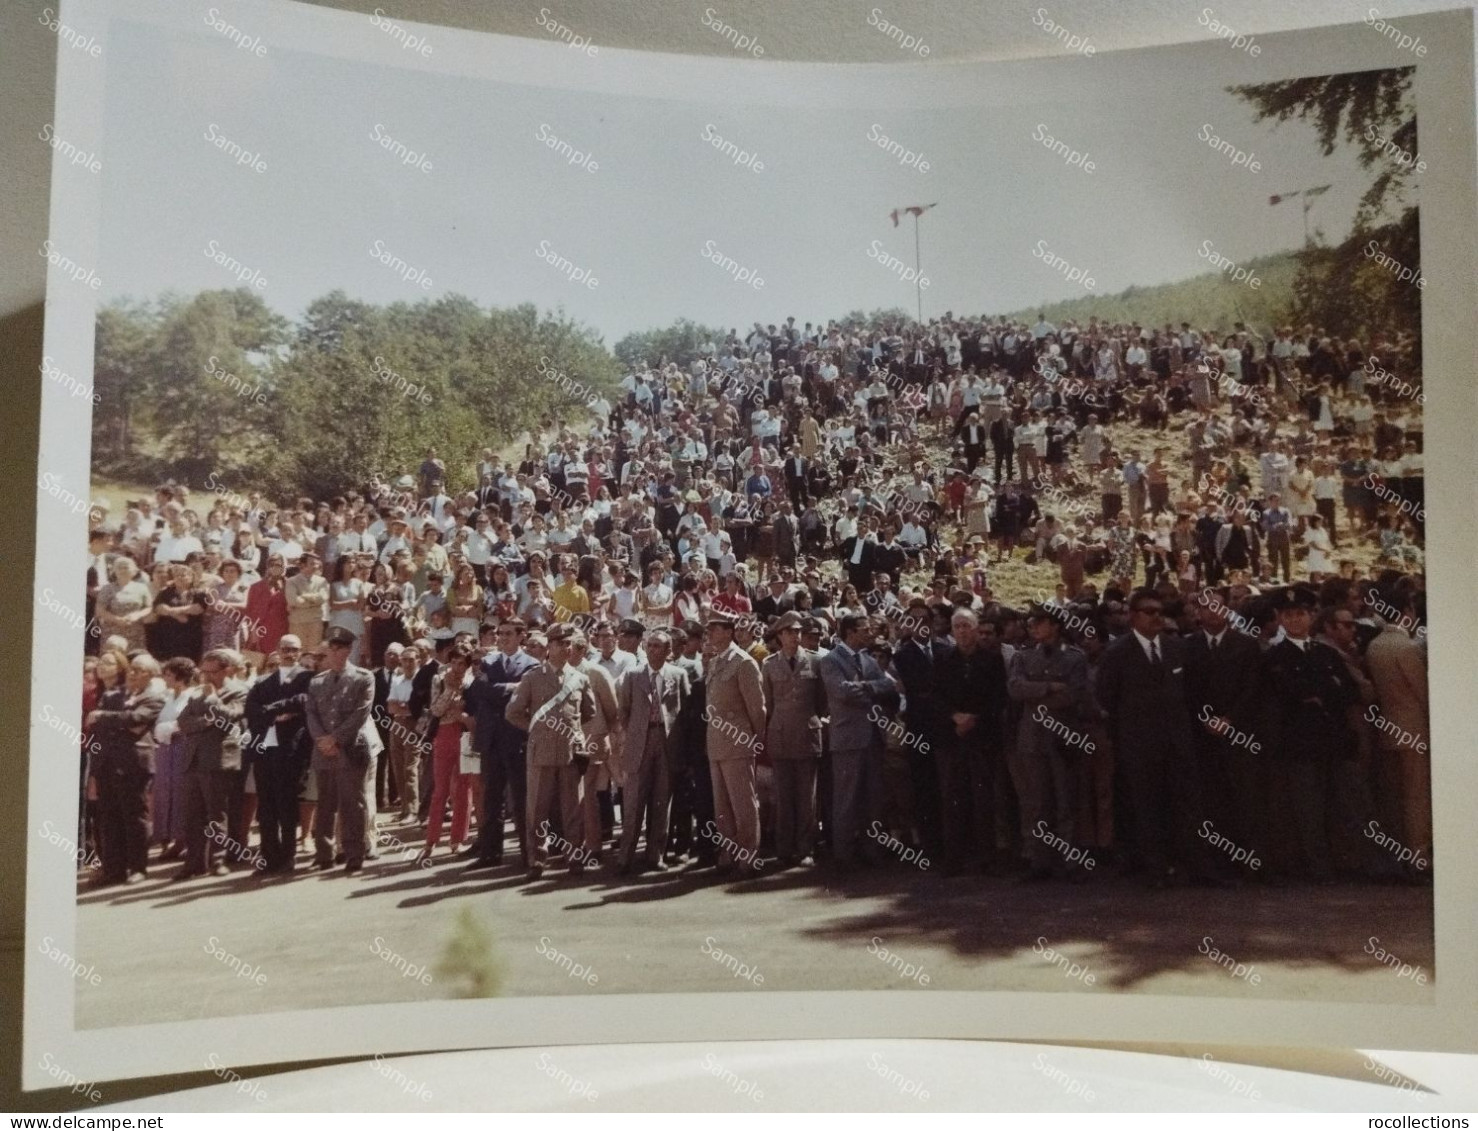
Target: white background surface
[(812, 1075)]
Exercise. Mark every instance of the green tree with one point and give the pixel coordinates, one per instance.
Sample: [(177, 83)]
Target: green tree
[(469, 962), (211, 357), (122, 363)]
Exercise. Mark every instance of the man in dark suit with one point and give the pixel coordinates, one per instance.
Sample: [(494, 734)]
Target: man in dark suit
[(1310, 691), (916, 660), (692, 785), (1141, 688), (340, 698), (380, 713), (1226, 697), (795, 478), (276, 710), (858, 554), (890, 558), (974, 434), (210, 720), (775, 602), (419, 705), (501, 744)]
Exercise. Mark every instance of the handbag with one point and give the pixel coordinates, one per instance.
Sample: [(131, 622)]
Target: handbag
[(471, 760)]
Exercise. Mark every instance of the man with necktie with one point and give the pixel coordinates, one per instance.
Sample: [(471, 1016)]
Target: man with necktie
[(1224, 682), (276, 714), (916, 660), (1141, 688), (856, 691), (501, 744), (340, 699), (650, 703), (735, 718)]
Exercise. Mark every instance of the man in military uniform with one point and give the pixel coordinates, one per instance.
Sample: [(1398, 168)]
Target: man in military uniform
[(735, 715), (340, 700), (553, 703), (651, 700), (1310, 692), (600, 746), (1050, 681), (797, 697)]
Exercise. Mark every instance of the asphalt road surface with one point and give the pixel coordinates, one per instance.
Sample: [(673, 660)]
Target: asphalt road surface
[(221, 946)]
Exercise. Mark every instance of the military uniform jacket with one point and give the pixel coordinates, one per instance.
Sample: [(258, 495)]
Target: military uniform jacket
[(553, 706), (607, 722), (339, 703), (1310, 690), (797, 702), (1032, 669), (735, 712)]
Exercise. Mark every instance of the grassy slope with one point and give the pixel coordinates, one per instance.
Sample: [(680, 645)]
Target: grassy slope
[(1205, 301)]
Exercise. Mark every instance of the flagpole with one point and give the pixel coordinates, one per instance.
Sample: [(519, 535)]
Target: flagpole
[(918, 271)]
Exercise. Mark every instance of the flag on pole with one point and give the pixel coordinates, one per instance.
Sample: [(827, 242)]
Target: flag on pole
[(1279, 198), (911, 210)]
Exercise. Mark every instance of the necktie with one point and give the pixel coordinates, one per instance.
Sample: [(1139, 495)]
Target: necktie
[(1155, 651), (792, 663), (657, 696)]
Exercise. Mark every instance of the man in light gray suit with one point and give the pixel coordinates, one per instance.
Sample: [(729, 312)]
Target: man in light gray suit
[(858, 694), (340, 700), (797, 697), (651, 699)]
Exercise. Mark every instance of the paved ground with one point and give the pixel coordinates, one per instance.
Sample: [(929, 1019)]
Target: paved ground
[(325, 940)]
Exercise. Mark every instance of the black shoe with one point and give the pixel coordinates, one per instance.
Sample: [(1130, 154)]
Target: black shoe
[(482, 862), (184, 874), (535, 871), (352, 866), (340, 858), (320, 866)]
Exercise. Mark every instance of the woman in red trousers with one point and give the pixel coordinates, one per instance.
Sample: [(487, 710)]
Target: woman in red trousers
[(446, 753)]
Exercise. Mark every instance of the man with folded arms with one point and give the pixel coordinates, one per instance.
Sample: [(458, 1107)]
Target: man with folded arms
[(340, 699), (501, 744)]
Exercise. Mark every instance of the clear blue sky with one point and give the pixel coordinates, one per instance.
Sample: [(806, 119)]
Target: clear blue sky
[(640, 221)]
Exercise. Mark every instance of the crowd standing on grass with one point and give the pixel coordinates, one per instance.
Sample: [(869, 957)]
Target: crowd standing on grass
[(745, 618)]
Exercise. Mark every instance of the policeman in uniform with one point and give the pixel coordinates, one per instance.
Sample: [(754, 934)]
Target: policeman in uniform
[(797, 696), (340, 700)]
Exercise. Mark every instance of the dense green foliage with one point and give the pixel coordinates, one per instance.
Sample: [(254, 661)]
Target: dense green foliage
[(1209, 301), (220, 386)]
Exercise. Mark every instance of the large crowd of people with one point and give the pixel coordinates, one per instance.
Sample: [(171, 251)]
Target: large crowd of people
[(746, 617)]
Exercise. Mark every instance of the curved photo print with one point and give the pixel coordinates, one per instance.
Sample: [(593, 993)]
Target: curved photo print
[(561, 523)]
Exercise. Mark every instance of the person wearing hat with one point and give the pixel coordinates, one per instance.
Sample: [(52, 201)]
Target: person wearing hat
[(735, 714), (797, 696), (553, 704), (1141, 686), (340, 700), (1310, 691), (1050, 681)]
